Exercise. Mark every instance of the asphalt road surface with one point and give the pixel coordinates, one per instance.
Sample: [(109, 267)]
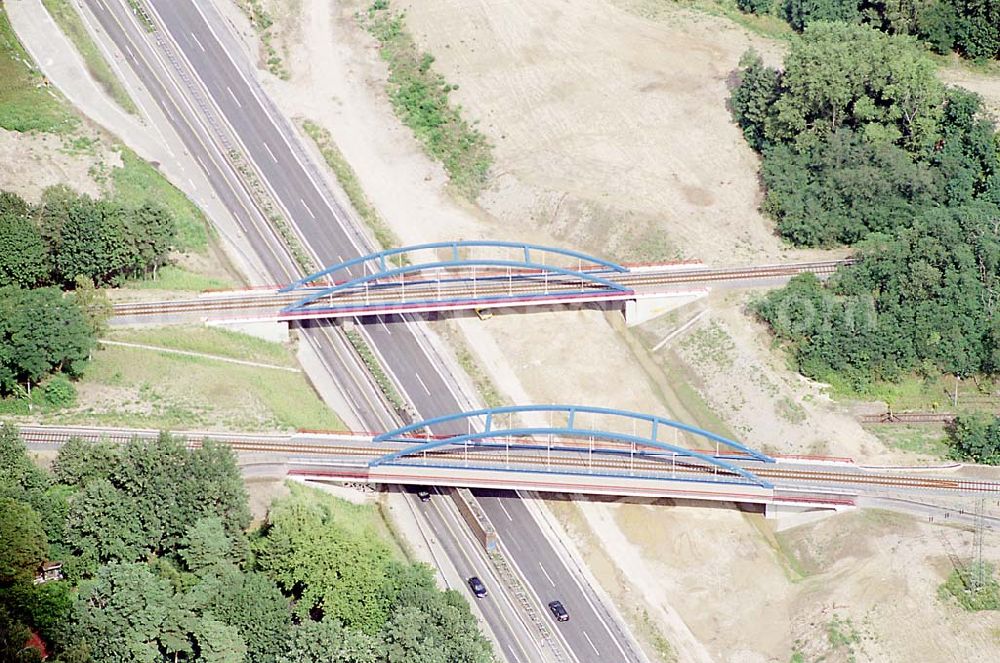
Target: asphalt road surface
[(267, 139)]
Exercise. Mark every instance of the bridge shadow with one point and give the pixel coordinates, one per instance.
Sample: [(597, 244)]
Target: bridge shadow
[(655, 501), (434, 316)]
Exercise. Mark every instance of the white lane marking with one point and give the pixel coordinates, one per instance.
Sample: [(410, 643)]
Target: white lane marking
[(195, 37), (273, 158), (230, 91), (381, 321), (131, 54), (101, 5), (417, 375), (547, 576), (505, 512), (324, 194), (307, 208), (200, 162), (591, 643), (193, 187)]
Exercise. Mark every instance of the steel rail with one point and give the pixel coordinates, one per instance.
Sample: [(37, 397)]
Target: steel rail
[(486, 286)]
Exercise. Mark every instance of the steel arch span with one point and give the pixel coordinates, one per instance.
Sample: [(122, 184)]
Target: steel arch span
[(490, 432), (449, 281)]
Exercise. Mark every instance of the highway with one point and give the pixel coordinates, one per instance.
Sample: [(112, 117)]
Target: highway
[(454, 291), (206, 78)]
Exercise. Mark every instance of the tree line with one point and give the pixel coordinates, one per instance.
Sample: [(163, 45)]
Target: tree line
[(66, 242), (970, 27), (862, 145), (160, 567), (69, 236)]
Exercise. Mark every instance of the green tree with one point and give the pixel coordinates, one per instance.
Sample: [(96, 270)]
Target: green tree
[(332, 568), (41, 332), (120, 614), (801, 13), (205, 545), (79, 461), (252, 604), (13, 637), (978, 29), (753, 98), (25, 545), (975, 437), (23, 258), (840, 75), (104, 526)]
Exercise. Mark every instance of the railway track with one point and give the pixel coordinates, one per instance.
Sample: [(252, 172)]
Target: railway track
[(908, 418), (485, 285), (618, 460)]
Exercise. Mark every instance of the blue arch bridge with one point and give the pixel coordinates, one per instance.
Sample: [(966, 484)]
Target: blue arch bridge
[(567, 448)]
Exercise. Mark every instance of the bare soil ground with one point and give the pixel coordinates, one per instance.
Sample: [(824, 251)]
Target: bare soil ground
[(35, 161), (855, 587)]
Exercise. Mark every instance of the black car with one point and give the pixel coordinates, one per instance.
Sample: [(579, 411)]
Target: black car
[(477, 587), (558, 611), (424, 495)]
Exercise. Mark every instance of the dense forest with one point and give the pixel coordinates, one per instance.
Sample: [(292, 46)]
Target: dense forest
[(159, 566), (970, 27), (862, 145), (68, 243)]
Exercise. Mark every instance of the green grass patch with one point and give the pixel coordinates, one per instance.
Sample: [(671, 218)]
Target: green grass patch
[(69, 21), (927, 439), (172, 277), (973, 591), (210, 340), (348, 180), (137, 181), (150, 389), (26, 101), (773, 27), (489, 392), (419, 96), (923, 393)]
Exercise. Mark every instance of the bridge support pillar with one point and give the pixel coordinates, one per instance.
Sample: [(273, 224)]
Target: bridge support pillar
[(787, 516), (638, 311)]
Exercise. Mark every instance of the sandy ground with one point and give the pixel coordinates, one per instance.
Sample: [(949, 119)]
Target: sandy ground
[(33, 162), (873, 576)]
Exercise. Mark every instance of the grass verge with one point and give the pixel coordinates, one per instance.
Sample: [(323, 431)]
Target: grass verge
[(26, 101), (137, 181), (419, 96), (928, 439), (348, 180), (371, 362), (172, 277), (262, 22), (973, 591), (69, 21), (144, 388)]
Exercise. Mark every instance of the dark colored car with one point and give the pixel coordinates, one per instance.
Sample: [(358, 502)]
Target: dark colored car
[(477, 587), (558, 611), (424, 495)]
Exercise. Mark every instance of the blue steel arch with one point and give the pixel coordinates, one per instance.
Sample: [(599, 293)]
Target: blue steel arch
[(369, 278), (379, 257), (608, 435), (570, 429)]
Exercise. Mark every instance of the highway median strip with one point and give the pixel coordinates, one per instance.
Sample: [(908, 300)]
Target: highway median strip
[(348, 180)]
